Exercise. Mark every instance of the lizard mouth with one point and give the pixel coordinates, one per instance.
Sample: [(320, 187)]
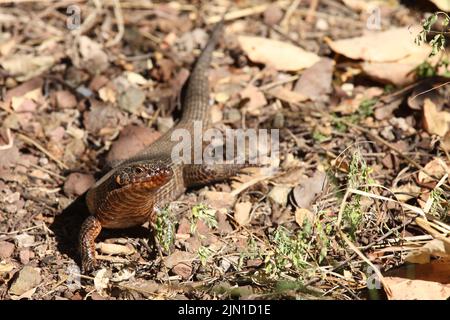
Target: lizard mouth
[(143, 175)]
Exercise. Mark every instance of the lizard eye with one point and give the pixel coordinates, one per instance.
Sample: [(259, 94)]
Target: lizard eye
[(139, 170)]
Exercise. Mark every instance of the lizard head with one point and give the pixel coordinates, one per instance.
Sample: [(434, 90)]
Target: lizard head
[(148, 175)]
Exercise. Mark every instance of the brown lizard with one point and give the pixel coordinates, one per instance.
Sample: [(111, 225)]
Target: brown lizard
[(131, 192)]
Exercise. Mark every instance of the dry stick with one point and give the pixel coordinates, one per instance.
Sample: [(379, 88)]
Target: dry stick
[(289, 12), (237, 14), (10, 140), (42, 149), (120, 25), (429, 90), (362, 256), (312, 11)]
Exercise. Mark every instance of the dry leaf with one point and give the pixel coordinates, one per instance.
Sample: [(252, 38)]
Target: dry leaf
[(400, 72), (94, 59), (114, 249), (242, 213), (435, 122), (444, 5), (315, 82), (405, 289), (397, 43), (25, 67), (256, 99), (436, 248), (367, 5), (280, 55), (101, 281), (301, 214), (436, 167)]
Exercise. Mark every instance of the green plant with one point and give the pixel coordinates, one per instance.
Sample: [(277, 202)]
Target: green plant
[(358, 177), (438, 42), (164, 227), (439, 207), (207, 215), (204, 253)]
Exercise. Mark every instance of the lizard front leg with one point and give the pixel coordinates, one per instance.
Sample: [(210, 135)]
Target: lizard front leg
[(90, 229)]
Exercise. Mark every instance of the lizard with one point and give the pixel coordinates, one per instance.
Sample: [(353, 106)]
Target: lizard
[(131, 193)]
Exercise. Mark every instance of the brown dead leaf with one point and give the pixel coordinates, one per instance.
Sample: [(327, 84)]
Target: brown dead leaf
[(242, 212), (218, 200), (257, 100), (435, 122), (444, 5), (405, 289), (436, 167), (398, 43), (280, 55), (435, 248), (25, 67), (315, 82), (400, 72), (302, 214)]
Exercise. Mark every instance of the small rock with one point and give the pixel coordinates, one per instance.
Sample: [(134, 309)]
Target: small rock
[(225, 265), (27, 279), (25, 256), (77, 183), (183, 270), (164, 124), (273, 15), (65, 99), (24, 240), (322, 25), (132, 139), (232, 115), (132, 100), (279, 194), (6, 249)]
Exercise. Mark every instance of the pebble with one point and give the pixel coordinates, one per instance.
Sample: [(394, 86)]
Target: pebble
[(27, 279), (6, 249)]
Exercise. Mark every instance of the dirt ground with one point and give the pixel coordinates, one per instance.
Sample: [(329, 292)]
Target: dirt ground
[(358, 200)]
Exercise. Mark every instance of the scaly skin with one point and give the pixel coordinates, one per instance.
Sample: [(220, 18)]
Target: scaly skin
[(129, 194)]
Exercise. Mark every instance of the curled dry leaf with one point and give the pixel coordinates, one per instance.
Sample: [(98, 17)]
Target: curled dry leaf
[(242, 213), (280, 55), (397, 43), (435, 122), (436, 167)]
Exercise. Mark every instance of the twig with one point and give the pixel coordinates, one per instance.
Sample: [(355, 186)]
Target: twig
[(312, 11), (10, 140), (120, 25), (42, 149), (237, 14), (289, 12)]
